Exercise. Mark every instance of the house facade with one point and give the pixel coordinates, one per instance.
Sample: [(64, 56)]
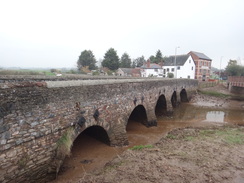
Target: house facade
[(132, 72), (151, 70), (203, 65), (181, 66)]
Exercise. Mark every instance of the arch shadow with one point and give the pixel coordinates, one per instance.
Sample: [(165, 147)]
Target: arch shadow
[(174, 99), (96, 132), (183, 96), (161, 106), (138, 115)]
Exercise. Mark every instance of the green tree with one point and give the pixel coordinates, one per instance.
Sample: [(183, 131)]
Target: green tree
[(233, 69), (86, 58), (152, 59), (138, 62), (125, 61), (159, 57), (111, 60)]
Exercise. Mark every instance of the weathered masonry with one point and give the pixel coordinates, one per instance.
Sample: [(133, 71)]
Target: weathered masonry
[(39, 120)]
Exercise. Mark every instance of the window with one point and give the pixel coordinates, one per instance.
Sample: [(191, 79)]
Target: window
[(164, 71), (178, 67), (188, 77), (156, 70), (192, 68), (167, 69), (200, 70), (172, 69), (190, 61)]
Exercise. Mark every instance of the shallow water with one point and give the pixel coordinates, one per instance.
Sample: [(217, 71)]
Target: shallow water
[(89, 154)]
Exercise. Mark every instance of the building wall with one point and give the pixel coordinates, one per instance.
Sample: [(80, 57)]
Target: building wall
[(187, 70), (203, 67), (36, 116), (152, 73)]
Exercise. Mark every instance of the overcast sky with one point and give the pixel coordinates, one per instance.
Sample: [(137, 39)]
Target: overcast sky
[(53, 33)]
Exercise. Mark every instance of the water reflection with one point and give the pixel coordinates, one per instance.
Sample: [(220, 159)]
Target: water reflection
[(215, 116), (192, 114)]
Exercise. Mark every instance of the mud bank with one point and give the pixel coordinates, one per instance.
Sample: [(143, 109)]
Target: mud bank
[(202, 154)]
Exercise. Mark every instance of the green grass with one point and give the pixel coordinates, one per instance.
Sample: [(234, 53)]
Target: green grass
[(170, 136), (140, 147), (229, 135), (214, 93)]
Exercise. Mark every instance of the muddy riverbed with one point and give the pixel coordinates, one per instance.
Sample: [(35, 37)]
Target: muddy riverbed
[(186, 157)]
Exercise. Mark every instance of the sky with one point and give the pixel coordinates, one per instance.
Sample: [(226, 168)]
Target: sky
[(53, 33)]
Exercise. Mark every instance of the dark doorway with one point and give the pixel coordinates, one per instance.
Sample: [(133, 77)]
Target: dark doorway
[(161, 106)]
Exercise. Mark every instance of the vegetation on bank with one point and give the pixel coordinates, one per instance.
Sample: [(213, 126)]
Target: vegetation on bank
[(214, 93), (140, 147), (227, 134)]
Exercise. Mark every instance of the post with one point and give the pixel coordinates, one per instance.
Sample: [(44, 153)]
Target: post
[(175, 62), (220, 68)]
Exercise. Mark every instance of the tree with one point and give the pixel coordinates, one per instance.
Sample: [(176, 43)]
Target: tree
[(233, 69), (152, 58), (125, 61), (86, 58), (138, 62), (159, 57), (111, 60)]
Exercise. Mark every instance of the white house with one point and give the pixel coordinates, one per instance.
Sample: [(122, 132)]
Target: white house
[(151, 70), (182, 66)]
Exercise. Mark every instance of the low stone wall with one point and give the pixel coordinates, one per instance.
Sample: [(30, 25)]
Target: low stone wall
[(207, 84), (35, 115)]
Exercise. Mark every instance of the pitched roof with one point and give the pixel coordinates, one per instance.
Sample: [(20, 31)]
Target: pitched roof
[(180, 60), (152, 66), (200, 55), (126, 70)]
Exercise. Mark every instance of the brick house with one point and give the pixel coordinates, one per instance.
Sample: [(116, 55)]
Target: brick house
[(203, 65)]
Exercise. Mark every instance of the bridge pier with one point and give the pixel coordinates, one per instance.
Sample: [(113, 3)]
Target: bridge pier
[(151, 118), (117, 134)]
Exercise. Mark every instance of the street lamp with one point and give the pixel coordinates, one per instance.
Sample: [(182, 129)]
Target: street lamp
[(175, 62), (220, 67)]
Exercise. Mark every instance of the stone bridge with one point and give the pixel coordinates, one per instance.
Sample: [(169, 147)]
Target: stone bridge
[(40, 119)]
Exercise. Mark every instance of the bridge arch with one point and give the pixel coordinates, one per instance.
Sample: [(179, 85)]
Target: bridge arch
[(138, 114), (97, 132), (161, 106), (183, 96), (174, 99)]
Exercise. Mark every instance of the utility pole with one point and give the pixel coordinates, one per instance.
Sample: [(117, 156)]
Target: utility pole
[(175, 62)]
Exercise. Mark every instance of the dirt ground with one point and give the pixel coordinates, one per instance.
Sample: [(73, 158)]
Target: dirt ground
[(213, 153)]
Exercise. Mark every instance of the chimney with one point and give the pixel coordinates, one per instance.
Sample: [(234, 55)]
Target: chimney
[(148, 63)]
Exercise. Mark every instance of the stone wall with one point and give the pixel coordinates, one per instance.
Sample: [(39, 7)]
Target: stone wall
[(35, 115)]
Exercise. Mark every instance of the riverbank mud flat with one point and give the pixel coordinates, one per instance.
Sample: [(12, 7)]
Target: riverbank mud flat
[(210, 153), (203, 154)]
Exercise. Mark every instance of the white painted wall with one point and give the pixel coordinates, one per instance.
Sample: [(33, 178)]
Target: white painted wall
[(185, 71), (152, 72)]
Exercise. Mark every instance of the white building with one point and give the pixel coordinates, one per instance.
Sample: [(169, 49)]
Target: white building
[(151, 70), (182, 66)]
